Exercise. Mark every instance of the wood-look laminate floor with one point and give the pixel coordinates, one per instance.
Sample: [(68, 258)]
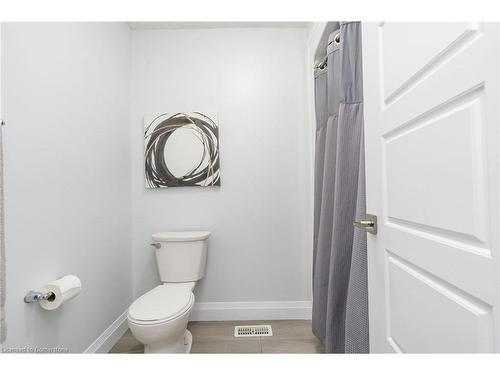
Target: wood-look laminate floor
[(289, 336)]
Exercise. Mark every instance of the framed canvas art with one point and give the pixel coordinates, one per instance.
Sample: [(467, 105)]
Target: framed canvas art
[(181, 149)]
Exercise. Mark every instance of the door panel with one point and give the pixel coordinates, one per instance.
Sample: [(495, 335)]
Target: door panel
[(409, 50), (440, 172), (450, 259), (428, 302), (431, 126)]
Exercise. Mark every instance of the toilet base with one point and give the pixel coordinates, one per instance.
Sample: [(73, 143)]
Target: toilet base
[(182, 346), (188, 341)]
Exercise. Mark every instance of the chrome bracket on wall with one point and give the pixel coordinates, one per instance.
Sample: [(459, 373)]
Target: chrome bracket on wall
[(33, 296)]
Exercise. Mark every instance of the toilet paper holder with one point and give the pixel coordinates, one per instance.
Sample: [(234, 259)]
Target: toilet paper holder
[(33, 296)]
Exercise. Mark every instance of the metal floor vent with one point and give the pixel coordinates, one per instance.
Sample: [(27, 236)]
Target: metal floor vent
[(253, 331)]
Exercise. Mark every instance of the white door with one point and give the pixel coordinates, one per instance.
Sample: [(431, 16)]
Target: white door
[(432, 164)]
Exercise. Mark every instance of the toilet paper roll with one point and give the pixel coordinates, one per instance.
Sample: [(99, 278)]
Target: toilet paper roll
[(63, 289)]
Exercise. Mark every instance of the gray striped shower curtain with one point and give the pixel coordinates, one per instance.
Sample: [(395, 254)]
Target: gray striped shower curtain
[(340, 294)]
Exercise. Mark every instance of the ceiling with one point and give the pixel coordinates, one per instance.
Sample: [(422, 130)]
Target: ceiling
[(214, 25)]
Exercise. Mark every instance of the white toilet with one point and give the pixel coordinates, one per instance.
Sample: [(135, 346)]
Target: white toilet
[(159, 317)]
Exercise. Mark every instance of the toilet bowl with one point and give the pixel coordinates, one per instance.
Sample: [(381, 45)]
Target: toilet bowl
[(159, 318)]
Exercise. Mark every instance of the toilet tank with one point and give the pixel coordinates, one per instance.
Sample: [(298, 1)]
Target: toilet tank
[(181, 256)]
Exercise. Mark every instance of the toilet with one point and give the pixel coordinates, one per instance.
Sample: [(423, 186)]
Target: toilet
[(159, 317)]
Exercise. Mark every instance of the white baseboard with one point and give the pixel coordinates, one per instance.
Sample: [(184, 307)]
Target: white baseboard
[(110, 336), (265, 310)]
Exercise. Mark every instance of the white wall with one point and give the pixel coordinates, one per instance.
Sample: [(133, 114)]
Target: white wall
[(67, 177), (261, 216)]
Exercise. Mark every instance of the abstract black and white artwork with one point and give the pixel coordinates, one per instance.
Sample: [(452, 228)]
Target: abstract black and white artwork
[(181, 149)]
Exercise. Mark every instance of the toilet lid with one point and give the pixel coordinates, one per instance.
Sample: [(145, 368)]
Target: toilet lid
[(162, 303), (181, 236)]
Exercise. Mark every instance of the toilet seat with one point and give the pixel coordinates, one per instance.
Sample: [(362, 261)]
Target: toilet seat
[(162, 304)]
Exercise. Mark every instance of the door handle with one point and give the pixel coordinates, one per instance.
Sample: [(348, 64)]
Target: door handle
[(369, 224)]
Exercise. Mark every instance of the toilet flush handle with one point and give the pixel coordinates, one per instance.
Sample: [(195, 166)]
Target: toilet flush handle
[(156, 245)]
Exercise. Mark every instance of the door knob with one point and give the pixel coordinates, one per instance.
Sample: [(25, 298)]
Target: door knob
[(369, 224)]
